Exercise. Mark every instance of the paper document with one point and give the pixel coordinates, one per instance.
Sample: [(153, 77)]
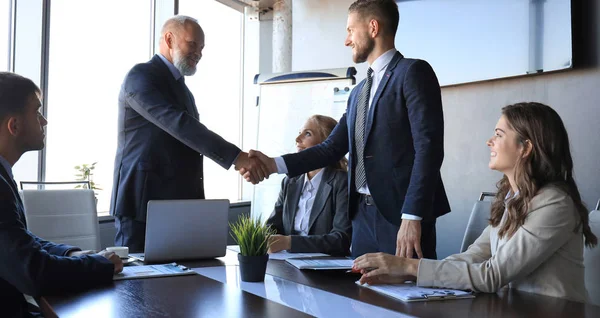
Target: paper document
[(145, 271), (235, 248), (283, 255), (410, 292), (341, 263)]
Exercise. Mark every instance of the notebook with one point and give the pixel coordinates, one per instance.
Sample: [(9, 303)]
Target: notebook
[(410, 292), (146, 271), (320, 264)]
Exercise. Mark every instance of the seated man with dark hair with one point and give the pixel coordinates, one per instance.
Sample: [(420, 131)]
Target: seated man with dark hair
[(31, 265)]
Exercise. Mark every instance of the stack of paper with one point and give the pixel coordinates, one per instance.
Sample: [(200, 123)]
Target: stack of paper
[(283, 255), (135, 272), (410, 292), (342, 263)]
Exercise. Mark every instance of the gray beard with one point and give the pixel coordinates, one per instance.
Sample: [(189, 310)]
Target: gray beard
[(181, 64)]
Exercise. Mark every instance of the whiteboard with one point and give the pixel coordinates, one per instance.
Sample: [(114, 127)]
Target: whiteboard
[(284, 108)]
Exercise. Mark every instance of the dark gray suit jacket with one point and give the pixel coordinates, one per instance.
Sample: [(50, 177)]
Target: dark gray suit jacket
[(329, 227), (160, 143)]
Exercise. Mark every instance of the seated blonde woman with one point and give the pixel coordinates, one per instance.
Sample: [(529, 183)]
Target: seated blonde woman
[(311, 213), (538, 224)]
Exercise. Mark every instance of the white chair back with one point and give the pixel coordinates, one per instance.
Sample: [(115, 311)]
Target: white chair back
[(478, 220), (63, 216), (591, 260)]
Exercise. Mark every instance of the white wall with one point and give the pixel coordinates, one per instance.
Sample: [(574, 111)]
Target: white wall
[(319, 32), (471, 110)]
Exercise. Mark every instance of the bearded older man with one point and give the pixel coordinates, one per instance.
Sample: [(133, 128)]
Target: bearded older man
[(161, 142)]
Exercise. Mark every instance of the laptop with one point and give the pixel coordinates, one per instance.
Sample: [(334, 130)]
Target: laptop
[(185, 229)]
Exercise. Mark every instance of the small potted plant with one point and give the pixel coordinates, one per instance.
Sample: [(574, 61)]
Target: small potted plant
[(253, 238), (85, 172)]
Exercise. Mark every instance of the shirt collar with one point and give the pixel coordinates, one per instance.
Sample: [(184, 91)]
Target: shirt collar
[(510, 196), (6, 166), (176, 74), (315, 181), (383, 61)]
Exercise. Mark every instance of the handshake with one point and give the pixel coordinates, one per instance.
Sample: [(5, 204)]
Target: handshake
[(255, 166)]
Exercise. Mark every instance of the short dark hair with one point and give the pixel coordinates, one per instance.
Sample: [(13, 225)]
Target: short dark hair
[(15, 92), (384, 11)]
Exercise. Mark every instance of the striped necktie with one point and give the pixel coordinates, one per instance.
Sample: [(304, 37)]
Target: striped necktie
[(362, 107)]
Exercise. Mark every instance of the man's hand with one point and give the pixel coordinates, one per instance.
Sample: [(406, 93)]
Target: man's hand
[(279, 243), (80, 253), (409, 239), (267, 165), (113, 258), (256, 168)]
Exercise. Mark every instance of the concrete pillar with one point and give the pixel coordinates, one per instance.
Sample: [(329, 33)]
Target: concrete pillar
[(282, 36)]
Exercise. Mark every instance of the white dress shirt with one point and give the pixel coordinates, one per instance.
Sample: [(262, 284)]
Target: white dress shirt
[(305, 204), (379, 67)]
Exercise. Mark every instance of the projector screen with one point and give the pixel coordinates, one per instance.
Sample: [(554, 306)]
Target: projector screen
[(475, 40)]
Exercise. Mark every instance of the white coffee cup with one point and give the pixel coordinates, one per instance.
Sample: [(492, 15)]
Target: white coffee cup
[(121, 251)]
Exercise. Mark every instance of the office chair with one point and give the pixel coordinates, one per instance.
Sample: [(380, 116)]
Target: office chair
[(478, 220), (63, 216)]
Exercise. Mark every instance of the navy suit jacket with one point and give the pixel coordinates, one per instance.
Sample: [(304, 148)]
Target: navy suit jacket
[(404, 143), (33, 266), (329, 227), (160, 143)]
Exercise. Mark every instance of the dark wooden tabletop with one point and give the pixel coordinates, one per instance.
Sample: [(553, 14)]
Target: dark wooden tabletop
[(182, 296), (506, 303), (195, 296)]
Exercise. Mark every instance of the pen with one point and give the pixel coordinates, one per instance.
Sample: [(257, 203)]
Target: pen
[(368, 269)]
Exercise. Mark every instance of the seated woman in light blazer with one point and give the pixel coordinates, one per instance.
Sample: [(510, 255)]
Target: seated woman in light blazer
[(538, 224), (311, 213)]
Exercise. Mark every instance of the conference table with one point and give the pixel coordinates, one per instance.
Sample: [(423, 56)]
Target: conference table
[(286, 292)]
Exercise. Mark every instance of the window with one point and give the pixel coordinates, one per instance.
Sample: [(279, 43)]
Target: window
[(92, 46), (5, 21), (217, 86), (27, 59)]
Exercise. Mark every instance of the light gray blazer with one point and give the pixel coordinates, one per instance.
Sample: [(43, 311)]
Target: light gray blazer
[(329, 227), (544, 256)]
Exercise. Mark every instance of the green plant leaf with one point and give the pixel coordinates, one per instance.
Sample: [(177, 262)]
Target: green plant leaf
[(251, 235)]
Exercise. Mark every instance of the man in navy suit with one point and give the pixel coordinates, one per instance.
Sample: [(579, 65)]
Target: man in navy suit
[(161, 142), (393, 130), (31, 265)]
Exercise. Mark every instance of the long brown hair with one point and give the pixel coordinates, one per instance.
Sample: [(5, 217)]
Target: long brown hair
[(325, 126), (549, 162)]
